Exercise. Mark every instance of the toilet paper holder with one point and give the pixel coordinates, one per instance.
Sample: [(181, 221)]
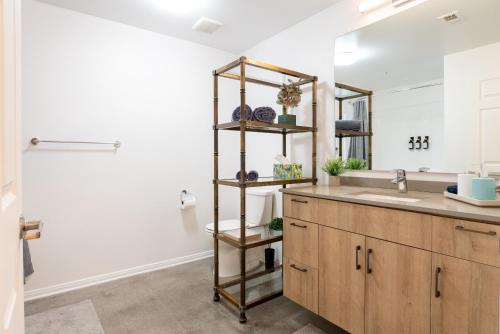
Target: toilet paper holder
[(184, 193)]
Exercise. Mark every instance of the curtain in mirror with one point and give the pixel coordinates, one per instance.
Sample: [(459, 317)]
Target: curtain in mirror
[(358, 146)]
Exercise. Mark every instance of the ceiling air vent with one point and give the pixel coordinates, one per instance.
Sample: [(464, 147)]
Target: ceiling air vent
[(452, 17), (207, 25)]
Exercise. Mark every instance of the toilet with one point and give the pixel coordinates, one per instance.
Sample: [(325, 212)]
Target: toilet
[(259, 212)]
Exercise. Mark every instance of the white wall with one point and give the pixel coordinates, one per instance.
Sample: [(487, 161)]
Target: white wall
[(471, 111), (86, 78), (309, 47), (399, 114)]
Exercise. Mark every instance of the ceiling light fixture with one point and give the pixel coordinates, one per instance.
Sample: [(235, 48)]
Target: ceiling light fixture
[(369, 5), (180, 7)]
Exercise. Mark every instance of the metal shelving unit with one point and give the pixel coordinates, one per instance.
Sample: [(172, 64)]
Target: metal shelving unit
[(347, 93), (249, 290)]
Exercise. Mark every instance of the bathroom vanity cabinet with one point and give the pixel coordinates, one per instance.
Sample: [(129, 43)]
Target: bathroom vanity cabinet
[(371, 269)]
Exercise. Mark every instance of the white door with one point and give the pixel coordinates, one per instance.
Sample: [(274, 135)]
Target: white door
[(489, 109), (11, 270), (472, 109)]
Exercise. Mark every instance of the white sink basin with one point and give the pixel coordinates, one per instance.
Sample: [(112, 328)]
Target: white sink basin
[(388, 197)]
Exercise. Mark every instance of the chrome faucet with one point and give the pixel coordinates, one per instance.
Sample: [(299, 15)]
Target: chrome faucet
[(400, 180)]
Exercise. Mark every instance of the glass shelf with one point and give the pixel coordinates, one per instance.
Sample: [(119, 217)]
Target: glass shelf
[(225, 282), (351, 133), (257, 289), (266, 238), (255, 126), (262, 73), (263, 181), (345, 92)]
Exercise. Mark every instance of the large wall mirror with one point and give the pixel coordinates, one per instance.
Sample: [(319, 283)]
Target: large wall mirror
[(421, 90)]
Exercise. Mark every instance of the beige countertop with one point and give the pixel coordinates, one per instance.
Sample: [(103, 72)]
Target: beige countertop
[(430, 203)]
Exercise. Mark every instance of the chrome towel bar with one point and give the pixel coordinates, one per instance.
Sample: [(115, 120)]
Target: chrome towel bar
[(36, 141)]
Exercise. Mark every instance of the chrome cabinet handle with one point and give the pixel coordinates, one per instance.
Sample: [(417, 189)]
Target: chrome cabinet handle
[(358, 266), (368, 268), (297, 225), (462, 228), (299, 201), (437, 293), (297, 268)]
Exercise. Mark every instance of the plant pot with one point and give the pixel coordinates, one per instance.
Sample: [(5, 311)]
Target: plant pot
[(269, 258), (334, 181), (287, 119)]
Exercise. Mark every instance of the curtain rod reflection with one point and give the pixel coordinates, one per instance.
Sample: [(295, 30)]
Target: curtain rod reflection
[(398, 91)]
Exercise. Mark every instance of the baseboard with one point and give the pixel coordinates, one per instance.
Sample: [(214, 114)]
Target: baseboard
[(99, 279)]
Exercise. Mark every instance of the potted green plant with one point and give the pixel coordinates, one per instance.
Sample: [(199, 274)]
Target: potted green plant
[(334, 168), (276, 224), (355, 164)]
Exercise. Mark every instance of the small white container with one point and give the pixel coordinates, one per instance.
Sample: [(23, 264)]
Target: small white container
[(465, 184)]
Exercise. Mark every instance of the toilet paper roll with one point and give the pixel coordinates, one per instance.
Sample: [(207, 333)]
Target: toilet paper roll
[(465, 184), (187, 200)]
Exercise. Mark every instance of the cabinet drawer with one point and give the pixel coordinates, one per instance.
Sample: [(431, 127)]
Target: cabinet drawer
[(466, 240), (407, 228), (300, 284), (299, 207), (300, 241)]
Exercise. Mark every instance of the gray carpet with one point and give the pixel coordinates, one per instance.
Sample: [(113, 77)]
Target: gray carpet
[(78, 318), (178, 300)]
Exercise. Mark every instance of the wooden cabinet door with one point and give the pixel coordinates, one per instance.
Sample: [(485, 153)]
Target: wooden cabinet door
[(342, 278), (465, 297), (398, 287)]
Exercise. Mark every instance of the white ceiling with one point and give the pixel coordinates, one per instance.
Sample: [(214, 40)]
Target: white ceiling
[(409, 47), (246, 22)]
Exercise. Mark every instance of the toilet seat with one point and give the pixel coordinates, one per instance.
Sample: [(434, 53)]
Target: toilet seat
[(224, 225)]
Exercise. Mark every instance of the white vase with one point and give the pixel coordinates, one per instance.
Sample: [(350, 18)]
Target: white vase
[(334, 181)]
